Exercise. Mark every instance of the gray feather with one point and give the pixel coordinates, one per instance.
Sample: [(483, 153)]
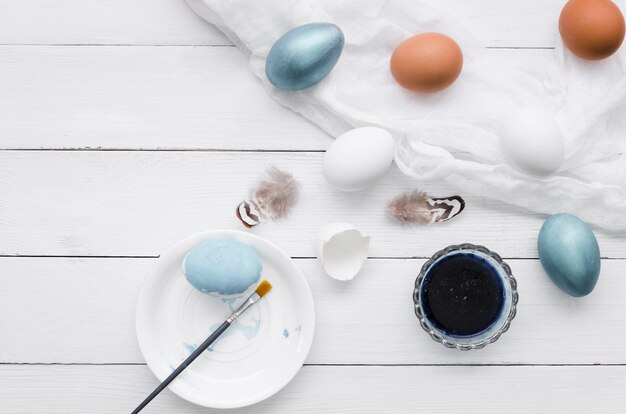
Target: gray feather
[(416, 207), (272, 198)]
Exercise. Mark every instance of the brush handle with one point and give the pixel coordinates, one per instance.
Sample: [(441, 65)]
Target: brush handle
[(195, 354)]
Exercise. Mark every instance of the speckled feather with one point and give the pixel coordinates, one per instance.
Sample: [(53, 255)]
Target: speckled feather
[(416, 207), (410, 208), (276, 193), (272, 198)]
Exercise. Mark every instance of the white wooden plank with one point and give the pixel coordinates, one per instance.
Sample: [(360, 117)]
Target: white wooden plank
[(84, 308), (154, 22), (362, 390), (150, 98), (141, 97), (139, 203), (512, 23)]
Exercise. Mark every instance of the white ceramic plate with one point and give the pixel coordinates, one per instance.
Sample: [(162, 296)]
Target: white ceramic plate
[(255, 357)]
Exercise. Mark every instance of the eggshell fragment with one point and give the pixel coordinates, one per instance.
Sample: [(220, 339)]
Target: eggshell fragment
[(342, 250), (592, 29), (427, 62), (356, 159), (533, 141)]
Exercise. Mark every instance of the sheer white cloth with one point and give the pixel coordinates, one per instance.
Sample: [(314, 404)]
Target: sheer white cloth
[(452, 136)]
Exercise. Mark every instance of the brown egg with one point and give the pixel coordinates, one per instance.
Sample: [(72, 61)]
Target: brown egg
[(427, 62), (592, 29)]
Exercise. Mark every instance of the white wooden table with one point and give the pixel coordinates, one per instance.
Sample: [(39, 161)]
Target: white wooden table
[(126, 125)]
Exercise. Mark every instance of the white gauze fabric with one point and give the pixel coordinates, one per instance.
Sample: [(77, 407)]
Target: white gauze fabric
[(453, 135)]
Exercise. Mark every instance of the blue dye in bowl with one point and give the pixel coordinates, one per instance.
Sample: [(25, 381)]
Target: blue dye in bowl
[(463, 294)]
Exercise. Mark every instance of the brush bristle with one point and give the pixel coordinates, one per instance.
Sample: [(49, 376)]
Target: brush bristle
[(263, 288)]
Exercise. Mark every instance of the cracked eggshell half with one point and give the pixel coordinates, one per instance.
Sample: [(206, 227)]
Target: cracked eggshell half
[(342, 250), (356, 159)]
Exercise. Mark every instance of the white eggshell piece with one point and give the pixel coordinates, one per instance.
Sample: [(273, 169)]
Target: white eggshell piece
[(356, 159), (342, 249), (533, 141)]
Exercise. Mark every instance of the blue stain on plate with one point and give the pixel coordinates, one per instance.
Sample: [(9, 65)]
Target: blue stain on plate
[(286, 333), (190, 347), (248, 331), (229, 302), (298, 328)]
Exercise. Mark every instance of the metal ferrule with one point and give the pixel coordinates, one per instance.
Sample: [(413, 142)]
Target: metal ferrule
[(252, 299)]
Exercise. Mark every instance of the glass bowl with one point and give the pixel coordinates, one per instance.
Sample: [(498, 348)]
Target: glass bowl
[(507, 303)]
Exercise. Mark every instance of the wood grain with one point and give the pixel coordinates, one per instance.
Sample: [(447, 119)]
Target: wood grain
[(84, 308), (112, 22), (512, 23), (151, 75), (362, 390), (151, 98), (139, 203), (141, 98)]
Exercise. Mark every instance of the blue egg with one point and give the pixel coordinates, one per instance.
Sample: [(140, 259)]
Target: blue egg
[(569, 253), (304, 56), (225, 267)]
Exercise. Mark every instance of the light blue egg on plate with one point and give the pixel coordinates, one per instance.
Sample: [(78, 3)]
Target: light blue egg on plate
[(304, 56), (569, 253), (222, 266)]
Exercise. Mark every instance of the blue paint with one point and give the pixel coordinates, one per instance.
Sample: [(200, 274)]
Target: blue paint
[(298, 328), (569, 253), (231, 304), (248, 331), (222, 266), (286, 333), (304, 56), (190, 347), (463, 295)]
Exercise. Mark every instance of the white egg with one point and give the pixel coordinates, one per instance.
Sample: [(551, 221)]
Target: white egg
[(533, 141), (356, 159)]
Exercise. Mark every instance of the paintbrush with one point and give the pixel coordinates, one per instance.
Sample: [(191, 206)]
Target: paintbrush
[(260, 291)]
